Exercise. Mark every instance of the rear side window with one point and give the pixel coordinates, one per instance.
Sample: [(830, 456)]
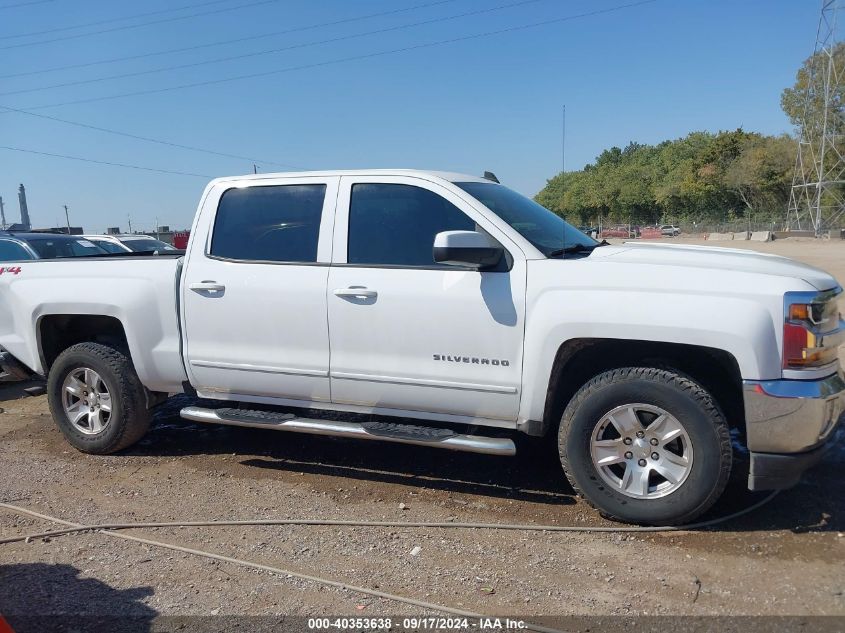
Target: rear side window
[(12, 251), (396, 224), (274, 224)]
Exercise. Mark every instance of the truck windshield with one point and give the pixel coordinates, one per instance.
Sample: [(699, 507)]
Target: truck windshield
[(147, 246), (547, 231), (110, 247), (54, 247)]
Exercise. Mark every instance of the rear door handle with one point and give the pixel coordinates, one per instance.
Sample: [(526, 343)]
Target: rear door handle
[(207, 286), (358, 292)]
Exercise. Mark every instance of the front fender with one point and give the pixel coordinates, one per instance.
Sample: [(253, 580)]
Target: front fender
[(741, 326)]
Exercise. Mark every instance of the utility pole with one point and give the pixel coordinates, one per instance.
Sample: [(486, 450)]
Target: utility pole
[(563, 143), (67, 219)]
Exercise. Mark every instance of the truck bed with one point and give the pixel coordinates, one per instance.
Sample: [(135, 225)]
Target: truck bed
[(140, 291)]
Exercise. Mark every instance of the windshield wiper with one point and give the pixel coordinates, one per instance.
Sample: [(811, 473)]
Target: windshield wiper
[(577, 248)]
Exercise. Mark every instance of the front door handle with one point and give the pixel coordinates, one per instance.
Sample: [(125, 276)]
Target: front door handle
[(207, 286), (358, 292)]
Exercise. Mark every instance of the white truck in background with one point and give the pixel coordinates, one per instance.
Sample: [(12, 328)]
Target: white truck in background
[(441, 303)]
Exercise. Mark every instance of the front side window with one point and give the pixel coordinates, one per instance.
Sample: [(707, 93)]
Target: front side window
[(275, 223), (395, 225), (12, 251)]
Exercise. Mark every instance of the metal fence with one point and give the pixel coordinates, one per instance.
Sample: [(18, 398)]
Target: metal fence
[(727, 227)]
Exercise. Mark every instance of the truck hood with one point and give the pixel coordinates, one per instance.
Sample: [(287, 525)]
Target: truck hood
[(733, 259)]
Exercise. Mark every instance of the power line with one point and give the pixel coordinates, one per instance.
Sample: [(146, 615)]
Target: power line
[(103, 162), (146, 138), (139, 25), (198, 149), (233, 41), (109, 21), (332, 62), (24, 4), (274, 50)]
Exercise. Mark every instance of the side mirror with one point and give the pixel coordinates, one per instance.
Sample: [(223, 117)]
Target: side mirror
[(467, 248)]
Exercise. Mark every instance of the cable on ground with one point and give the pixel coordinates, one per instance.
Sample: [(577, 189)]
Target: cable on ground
[(110, 529)]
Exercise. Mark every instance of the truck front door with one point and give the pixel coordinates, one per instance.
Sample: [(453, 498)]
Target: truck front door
[(254, 290), (408, 333)]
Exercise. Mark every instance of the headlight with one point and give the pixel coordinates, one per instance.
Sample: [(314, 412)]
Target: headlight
[(812, 330)]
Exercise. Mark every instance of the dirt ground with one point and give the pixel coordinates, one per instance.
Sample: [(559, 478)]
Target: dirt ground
[(787, 558)]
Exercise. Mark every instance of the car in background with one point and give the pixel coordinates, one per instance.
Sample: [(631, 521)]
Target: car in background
[(130, 243), (23, 246), (618, 231), (670, 230)]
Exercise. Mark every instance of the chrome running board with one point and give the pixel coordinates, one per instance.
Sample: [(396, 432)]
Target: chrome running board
[(384, 431)]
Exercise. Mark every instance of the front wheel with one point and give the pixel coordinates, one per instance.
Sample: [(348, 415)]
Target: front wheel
[(645, 445), (97, 399)]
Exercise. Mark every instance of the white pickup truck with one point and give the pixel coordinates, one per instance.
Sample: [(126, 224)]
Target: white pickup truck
[(456, 302)]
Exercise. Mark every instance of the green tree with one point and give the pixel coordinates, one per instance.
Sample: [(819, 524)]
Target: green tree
[(762, 176), (804, 101), (702, 176)]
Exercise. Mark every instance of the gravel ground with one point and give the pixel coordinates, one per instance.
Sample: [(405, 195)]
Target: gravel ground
[(785, 559)]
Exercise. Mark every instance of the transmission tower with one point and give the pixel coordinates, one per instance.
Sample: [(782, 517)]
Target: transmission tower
[(817, 199)]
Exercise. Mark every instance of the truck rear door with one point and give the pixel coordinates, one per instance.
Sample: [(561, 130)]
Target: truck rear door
[(254, 290)]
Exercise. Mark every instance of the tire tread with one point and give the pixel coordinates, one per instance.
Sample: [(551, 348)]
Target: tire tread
[(670, 378), (136, 416)]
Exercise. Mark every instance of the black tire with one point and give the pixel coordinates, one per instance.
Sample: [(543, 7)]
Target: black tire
[(129, 418), (689, 403)]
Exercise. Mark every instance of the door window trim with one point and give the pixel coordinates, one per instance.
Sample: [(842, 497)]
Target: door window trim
[(327, 216), (341, 229)]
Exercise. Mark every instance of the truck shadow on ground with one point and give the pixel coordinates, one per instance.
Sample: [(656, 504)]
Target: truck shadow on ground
[(16, 390), (44, 598), (532, 476)]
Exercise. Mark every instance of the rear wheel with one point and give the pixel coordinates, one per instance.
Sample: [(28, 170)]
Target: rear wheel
[(645, 445), (97, 399)]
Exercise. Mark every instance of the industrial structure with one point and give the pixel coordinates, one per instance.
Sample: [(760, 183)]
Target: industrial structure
[(817, 199), (25, 224)]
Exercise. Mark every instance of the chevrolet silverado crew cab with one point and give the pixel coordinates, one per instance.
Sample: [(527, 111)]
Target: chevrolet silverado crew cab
[(453, 313)]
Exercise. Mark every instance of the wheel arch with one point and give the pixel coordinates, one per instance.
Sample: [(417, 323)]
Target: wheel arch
[(57, 332), (578, 360)]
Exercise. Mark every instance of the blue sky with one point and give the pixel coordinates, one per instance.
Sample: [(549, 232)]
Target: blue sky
[(644, 73)]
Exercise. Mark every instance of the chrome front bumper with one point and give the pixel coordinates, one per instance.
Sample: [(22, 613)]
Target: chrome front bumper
[(792, 416), (788, 423)]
